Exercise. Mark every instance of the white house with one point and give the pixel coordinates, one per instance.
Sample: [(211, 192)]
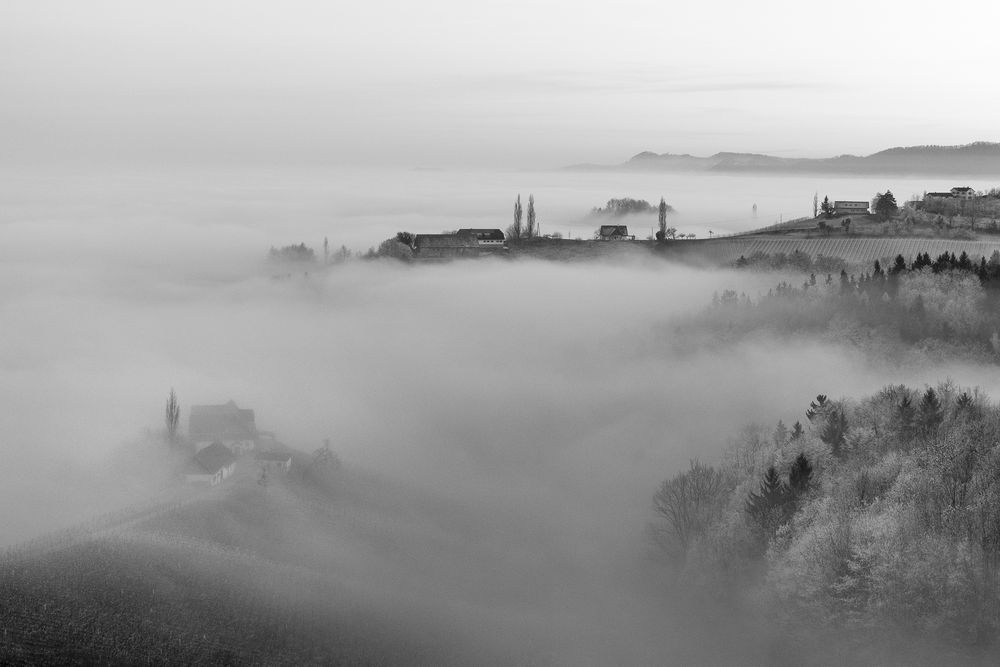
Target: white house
[(274, 461), (843, 207)]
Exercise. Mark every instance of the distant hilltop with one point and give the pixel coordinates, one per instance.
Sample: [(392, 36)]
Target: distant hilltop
[(977, 159)]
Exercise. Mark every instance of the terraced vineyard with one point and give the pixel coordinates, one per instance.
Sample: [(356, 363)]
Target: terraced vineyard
[(862, 251)]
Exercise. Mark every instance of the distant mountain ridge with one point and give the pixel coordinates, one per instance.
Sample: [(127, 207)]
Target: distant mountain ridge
[(980, 158)]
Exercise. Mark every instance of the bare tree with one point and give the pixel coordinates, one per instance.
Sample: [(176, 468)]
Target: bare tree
[(688, 502), (172, 417)]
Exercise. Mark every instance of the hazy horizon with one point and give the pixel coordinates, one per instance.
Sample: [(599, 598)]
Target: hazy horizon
[(448, 84)]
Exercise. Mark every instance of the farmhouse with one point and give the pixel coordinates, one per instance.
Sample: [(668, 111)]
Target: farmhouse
[(963, 192), (614, 233), (210, 465), (440, 247), (274, 461), (850, 207), (485, 237), (227, 424)]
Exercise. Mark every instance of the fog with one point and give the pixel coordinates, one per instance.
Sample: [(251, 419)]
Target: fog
[(541, 398)]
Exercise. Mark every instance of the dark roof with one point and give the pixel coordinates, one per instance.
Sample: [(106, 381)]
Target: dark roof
[(614, 230), (484, 234), (962, 189), (214, 458), (842, 202), (939, 194), (272, 456), (445, 241), (221, 422)]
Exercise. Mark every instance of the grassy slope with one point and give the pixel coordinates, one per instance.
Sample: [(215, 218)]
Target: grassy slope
[(249, 575)]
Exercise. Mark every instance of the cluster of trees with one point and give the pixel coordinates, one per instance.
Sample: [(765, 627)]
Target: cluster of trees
[(944, 303), (797, 259), (292, 253), (628, 206), (521, 228), (878, 513)]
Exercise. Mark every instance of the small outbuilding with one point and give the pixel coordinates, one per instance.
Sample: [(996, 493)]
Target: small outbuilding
[(279, 461)]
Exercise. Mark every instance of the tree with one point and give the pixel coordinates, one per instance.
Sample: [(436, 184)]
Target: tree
[(827, 207), (326, 250), (687, 502), (846, 224), (797, 432), (817, 408), (780, 435), (930, 412), (885, 205), (406, 238), (800, 476), (662, 234), (834, 432), (322, 457), (172, 417), (816, 205), (530, 228), (514, 231), (767, 507)]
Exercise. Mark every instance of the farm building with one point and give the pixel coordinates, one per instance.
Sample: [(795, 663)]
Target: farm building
[(440, 247), (210, 465), (963, 192), (485, 237), (850, 207), (228, 424), (614, 233), (274, 461)]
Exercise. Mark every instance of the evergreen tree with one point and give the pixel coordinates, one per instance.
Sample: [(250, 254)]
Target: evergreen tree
[(931, 413), (817, 408), (827, 208), (780, 435), (885, 205), (796, 432), (767, 508), (800, 476)]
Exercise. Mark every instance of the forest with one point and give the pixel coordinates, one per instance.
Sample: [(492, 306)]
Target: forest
[(941, 307), (871, 516)]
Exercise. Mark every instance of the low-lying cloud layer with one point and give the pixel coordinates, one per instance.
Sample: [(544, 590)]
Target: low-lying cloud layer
[(546, 394)]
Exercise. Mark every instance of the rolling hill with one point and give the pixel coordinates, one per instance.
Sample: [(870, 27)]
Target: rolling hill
[(976, 159)]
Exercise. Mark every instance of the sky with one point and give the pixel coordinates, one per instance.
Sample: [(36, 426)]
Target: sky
[(515, 84)]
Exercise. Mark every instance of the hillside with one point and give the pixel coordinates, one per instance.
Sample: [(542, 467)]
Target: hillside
[(979, 158), (863, 251), (244, 574)]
